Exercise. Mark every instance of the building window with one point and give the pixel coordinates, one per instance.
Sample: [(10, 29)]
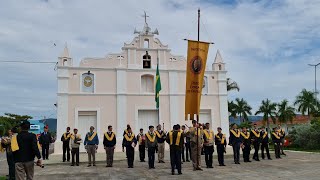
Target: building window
[(205, 85), (146, 61), (220, 68), (87, 82), (146, 43), (65, 62), (147, 84)]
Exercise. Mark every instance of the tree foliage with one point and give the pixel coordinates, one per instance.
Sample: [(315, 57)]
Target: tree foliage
[(9, 121), (268, 109)]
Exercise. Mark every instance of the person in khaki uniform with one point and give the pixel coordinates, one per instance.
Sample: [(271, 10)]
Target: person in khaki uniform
[(208, 145), (196, 133), (161, 137)]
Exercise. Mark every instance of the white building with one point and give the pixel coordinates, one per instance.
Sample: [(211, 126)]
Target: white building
[(119, 89)]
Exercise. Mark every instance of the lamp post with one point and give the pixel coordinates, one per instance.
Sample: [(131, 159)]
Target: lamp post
[(315, 77)]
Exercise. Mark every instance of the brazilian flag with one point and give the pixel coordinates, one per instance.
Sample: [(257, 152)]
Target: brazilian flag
[(158, 86)]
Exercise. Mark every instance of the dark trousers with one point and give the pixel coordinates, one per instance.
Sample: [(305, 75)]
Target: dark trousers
[(246, 152), (220, 151), (75, 154), (208, 151), (188, 151), (66, 150), (11, 165), (236, 152), (175, 160), (277, 149), (265, 146), (182, 154), (151, 156), (130, 155), (256, 146), (142, 152), (45, 151)]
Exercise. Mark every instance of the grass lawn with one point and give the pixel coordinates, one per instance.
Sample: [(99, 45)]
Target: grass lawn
[(2, 178)]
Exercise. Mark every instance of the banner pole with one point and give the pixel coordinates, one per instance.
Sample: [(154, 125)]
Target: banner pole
[(197, 129)]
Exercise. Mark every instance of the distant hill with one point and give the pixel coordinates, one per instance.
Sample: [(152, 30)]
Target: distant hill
[(251, 118), (52, 124)]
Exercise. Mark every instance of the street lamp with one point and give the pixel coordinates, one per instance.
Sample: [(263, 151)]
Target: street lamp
[(315, 77)]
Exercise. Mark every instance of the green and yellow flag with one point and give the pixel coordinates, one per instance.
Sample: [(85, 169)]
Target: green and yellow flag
[(158, 87)]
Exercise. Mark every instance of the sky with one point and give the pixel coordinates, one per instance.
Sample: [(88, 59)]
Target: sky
[(266, 44)]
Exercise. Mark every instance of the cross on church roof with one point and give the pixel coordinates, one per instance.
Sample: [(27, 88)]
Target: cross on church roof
[(145, 16)]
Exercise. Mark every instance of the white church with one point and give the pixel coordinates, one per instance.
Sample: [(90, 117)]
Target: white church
[(119, 89)]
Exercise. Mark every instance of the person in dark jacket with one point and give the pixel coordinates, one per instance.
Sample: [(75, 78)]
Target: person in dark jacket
[(109, 143), (276, 139), (129, 142), (256, 140), (45, 140), (175, 140), (24, 147), (235, 142), (221, 143), (264, 143), (151, 144), (65, 138), (246, 144), (141, 138)]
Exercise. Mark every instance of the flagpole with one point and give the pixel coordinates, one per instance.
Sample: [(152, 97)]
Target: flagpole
[(197, 130), (159, 94)]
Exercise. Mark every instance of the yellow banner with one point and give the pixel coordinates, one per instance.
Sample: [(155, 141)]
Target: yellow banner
[(196, 65)]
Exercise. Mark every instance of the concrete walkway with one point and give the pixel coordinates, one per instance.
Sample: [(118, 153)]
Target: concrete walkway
[(295, 165)]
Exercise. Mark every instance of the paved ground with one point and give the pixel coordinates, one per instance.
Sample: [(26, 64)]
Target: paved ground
[(295, 166)]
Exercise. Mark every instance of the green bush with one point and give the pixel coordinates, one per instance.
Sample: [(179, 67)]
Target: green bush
[(306, 136)]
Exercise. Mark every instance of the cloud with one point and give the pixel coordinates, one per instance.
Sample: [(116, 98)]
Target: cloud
[(266, 44)]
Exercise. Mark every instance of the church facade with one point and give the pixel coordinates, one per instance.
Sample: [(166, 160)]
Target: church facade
[(119, 89)]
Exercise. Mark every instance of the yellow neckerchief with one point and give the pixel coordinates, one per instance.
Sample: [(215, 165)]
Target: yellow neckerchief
[(199, 131), (208, 135), (65, 136), (109, 138), (275, 135), (178, 138), (92, 136), (246, 136), (73, 136), (158, 134), (14, 143), (234, 133), (264, 135), (38, 143), (140, 138), (127, 137), (125, 132), (151, 139), (223, 138), (255, 134)]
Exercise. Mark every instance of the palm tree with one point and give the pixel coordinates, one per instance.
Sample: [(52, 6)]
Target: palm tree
[(306, 102), (232, 109), (232, 85), (242, 108), (285, 112), (268, 109)]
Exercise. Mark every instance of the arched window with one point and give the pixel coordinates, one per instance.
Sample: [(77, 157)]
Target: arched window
[(87, 82), (146, 43), (220, 67), (205, 85), (65, 62), (147, 84), (146, 61)]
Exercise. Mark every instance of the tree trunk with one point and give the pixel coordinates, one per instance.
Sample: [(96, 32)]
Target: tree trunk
[(268, 125)]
